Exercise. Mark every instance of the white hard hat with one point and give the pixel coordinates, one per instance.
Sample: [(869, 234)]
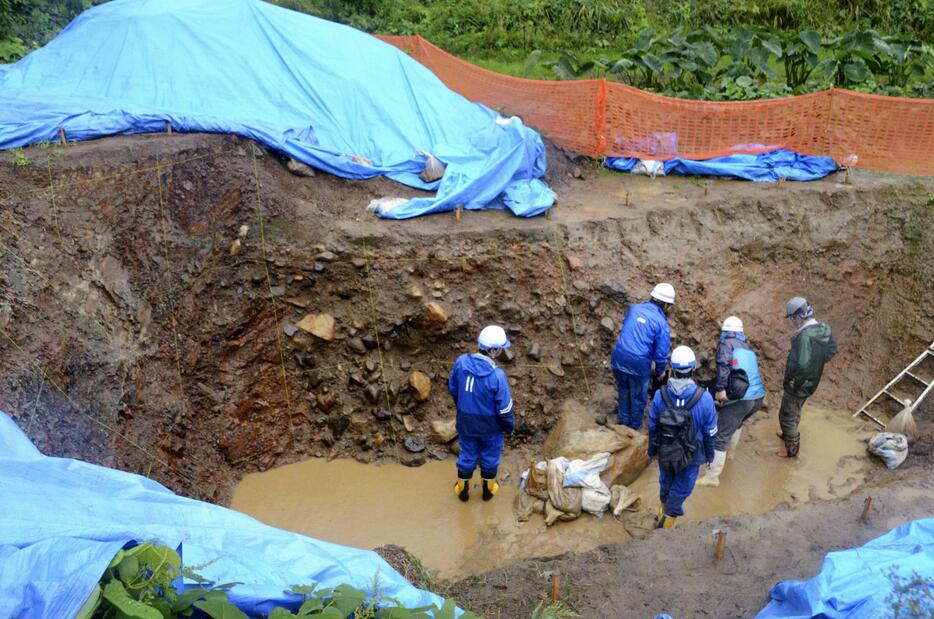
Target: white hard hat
[(682, 358), (733, 323), (492, 337), (664, 293)]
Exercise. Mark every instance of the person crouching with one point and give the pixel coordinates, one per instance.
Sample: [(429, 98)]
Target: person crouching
[(480, 392), (682, 427)]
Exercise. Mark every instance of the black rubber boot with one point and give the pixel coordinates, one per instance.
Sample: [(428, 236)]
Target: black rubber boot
[(462, 489), (490, 487)]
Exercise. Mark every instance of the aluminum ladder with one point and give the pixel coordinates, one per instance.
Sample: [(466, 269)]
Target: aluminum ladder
[(926, 386)]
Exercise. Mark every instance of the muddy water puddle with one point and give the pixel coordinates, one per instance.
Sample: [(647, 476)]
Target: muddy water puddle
[(367, 506)]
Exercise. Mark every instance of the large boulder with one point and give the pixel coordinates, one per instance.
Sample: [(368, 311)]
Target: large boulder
[(578, 436)]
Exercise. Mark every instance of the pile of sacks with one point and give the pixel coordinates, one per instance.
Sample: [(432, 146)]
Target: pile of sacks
[(586, 468), (892, 445), (562, 489)]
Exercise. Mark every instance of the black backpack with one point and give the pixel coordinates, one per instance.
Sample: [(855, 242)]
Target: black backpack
[(677, 440), (737, 384)]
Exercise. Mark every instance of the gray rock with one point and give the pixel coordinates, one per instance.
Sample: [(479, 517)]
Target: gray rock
[(535, 352), (615, 291), (299, 169), (277, 291), (326, 256), (607, 323), (372, 394), (289, 329), (381, 414), (414, 444), (369, 341), (358, 262), (509, 355), (356, 345), (581, 284)]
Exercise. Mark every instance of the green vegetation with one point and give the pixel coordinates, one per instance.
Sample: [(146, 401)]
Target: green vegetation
[(748, 50), (911, 598), (140, 582), (19, 158)]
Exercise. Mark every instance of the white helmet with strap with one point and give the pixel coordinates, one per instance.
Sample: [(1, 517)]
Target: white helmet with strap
[(664, 292), (683, 359), (732, 323), (493, 337)]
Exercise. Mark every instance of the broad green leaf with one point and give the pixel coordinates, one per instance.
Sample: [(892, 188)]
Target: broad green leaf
[(812, 59), (707, 53), (856, 71), (190, 596), (745, 81), (347, 599), (91, 604), (645, 40), (653, 62), (128, 569), (621, 66), (446, 611), (280, 613), (310, 605), (116, 594), (811, 38), (220, 609), (773, 45), (302, 589), (117, 559), (330, 613), (760, 59)]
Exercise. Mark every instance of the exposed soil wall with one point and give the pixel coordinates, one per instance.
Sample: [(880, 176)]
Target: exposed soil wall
[(136, 339)]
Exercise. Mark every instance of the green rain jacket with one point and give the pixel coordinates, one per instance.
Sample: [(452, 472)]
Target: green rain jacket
[(811, 348)]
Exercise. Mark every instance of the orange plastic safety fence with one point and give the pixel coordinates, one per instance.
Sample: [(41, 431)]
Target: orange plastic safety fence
[(604, 118)]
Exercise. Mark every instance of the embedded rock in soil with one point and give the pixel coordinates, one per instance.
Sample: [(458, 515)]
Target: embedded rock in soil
[(421, 384), (299, 169), (356, 345), (445, 430), (577, 436), (535, 352), (319, 325), (434, 314), (414, 444), (607, 323)]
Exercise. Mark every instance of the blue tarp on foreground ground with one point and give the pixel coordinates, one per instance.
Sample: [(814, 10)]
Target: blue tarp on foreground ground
[(764, 167), (63, 520), (854, 583), (325, 94)]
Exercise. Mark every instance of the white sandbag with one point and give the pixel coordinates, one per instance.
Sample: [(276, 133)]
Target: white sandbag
[(621, 498), (382, 206), (535, 481), (586, 473), (594, 500), (891, 447), (567, 500), (433, 170), (649, 167)]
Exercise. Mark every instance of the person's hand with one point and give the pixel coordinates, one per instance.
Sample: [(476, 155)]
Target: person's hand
[(721, 396)]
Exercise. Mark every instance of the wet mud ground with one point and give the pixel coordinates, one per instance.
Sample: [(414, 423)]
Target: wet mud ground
[(141, 331)]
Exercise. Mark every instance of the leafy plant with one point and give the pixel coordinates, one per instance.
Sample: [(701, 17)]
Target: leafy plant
[(555, 610), (11, 48), (851, 55), (910, 597), (568, 66), (800, 55), (19, 158), (140, 582), (750, 49), (638, 63), (900, 60)]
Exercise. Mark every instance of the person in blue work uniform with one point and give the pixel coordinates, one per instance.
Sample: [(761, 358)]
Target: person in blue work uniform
[(644, 340), (682, 427), (480, 392), (738, 391)]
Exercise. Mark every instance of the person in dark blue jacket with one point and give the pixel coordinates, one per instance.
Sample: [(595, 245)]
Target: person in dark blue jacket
[(681, 388), (733, 353), (644, 340), (480, 392)]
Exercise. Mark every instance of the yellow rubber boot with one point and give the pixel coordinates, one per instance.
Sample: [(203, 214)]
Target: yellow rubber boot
[(462, 489), (490, 487), (666, 522)]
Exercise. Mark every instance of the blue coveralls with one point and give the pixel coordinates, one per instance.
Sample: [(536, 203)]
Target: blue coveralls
[(644, 338), (480, 392), (674, 489)]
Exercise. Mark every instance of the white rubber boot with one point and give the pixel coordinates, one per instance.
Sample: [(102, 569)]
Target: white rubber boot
[(734, 441), (711, 476)]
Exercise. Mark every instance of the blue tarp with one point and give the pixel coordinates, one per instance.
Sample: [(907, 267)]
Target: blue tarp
[(63, 520), (764, 167), (854, 583), (322, 93)]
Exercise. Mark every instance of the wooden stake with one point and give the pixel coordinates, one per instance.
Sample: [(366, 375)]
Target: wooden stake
[(457, 212), (846, 176), (781, 181), (706, 189), (867, 509), (628, 198), (555, 587), (168, 126), (721, 545), (61, 136)]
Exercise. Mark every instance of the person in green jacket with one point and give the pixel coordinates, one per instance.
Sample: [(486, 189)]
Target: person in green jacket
[(811, 347)]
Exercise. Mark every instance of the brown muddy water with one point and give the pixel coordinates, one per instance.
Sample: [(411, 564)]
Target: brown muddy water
[(367, 506)]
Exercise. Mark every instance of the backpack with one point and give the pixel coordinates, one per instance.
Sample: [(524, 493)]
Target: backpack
[(677, 440), (737, 384)]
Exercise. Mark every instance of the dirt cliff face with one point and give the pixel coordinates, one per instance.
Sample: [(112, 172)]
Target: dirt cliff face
[(157, 297)]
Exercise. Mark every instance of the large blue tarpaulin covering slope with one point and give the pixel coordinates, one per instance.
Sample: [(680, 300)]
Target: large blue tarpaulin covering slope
[(325, 94), (63, 520), (764, 167), (854, 583)]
